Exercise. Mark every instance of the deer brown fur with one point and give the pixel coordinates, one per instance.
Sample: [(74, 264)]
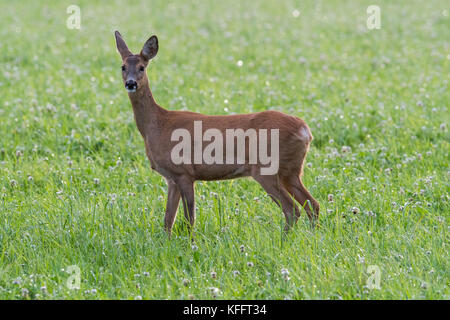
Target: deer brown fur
[(157, 124)]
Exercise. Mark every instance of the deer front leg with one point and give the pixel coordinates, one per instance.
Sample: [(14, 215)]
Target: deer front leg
[(186, 187), (173, 200)]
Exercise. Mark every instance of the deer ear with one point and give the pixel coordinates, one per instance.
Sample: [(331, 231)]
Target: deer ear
[(150, 48), (122, 46)]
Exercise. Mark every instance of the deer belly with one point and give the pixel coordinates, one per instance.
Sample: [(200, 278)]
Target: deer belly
[(220, 172)]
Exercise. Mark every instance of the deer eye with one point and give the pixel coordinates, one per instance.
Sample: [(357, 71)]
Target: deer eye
[(123, 68), (141, 68)]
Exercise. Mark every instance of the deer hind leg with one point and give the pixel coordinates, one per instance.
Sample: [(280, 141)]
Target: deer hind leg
[(293, 183), (295, 187), (278, 193), (186, 187), (173, 200)]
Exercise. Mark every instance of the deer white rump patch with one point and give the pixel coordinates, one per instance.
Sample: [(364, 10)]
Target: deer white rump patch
[(304, 134)]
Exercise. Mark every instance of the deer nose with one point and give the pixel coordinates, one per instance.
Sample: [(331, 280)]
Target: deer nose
[(131, 85)]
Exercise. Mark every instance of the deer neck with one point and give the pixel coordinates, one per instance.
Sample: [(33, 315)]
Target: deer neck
[(147, 113)]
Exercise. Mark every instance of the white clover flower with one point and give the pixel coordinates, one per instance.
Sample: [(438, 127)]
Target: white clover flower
[(361, 259), (214, 291), (25, 292), (346, 149)]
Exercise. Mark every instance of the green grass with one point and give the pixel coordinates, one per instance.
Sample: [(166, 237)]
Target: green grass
[(65, 120)]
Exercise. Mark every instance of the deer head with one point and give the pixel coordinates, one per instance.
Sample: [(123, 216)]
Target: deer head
[(134, 65)]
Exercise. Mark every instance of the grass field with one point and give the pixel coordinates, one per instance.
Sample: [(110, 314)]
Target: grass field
[(76, 188)]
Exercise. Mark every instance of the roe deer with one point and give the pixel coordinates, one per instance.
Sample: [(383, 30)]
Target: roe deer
[(157, 126)]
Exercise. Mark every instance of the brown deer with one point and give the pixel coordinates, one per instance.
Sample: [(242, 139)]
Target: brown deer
[(157, 127)]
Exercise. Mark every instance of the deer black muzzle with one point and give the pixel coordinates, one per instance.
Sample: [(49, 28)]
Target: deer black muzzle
[(131, 85)]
